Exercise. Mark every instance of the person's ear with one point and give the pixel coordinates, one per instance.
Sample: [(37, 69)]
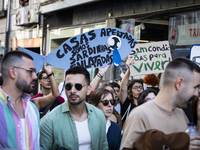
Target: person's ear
[(12, 72), (179, 83), (89, 90)]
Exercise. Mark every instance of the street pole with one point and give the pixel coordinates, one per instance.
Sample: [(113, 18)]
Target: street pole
[(7, 28)]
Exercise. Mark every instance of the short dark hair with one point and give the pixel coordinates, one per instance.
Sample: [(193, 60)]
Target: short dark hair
[(114, 84), (184, 63), (40, 74), (130, 85), (141, 98), (79, 70), (11, 59), (99, 94), (179, 67)]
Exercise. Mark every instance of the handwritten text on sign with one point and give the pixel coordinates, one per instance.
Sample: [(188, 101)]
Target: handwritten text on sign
[(91, 50), (150, 58)]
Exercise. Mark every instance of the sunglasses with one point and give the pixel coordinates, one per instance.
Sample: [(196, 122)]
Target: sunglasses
[(69, 86), (137, 87), (106, 102)]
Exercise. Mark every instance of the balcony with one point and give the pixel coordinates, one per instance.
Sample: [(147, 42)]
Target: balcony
[(48, 6)]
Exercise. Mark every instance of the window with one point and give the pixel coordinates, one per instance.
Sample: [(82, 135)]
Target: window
[(15, 4)]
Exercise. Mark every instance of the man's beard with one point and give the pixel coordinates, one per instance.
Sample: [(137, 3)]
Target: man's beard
[(22, 85), (75, 103), (182, 101)]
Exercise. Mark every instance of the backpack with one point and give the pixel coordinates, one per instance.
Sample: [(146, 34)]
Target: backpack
[(157, 140)]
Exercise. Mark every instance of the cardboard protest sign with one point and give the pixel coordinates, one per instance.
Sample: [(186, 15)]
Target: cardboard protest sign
[(93, 49), (150, 58), (195, 53)]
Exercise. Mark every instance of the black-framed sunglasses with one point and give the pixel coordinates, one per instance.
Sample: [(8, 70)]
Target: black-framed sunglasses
[(78, 86), (106, 102), (31, 70)]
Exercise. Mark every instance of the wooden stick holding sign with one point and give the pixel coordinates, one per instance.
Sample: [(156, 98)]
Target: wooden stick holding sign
[(150, 58), (93, 49)]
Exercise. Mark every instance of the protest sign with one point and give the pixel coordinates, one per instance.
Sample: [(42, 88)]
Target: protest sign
[(195, 53), (150, 58), (93, 49)]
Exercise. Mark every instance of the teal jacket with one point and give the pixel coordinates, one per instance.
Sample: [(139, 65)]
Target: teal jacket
[(58, 129)]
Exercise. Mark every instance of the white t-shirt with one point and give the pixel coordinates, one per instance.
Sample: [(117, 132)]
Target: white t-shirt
[(108, 123), (84, 136), (24, 133)]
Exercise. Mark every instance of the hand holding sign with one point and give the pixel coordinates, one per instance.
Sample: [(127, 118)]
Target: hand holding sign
[(47, 68), (129, 61), (93, 49), (103, 70), (150, 58)]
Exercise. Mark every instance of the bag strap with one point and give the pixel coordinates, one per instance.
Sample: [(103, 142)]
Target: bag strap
[(127, 111)]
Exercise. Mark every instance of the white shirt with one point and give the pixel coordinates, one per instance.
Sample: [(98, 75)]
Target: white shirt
[(108, 124), (84, 136), (24, 133)]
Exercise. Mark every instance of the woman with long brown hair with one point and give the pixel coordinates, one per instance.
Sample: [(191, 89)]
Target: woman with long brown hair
[(103, 99)]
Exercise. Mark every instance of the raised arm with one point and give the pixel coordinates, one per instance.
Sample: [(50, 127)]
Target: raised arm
[(123, 87), (42, 102), (95, 82)]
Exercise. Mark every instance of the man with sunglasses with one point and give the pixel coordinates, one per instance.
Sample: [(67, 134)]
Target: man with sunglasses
[(45, 86), (19, 117), (180, 84), (74, 124)]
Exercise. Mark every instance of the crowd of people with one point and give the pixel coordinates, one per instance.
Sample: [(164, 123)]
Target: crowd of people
[(89, 116)]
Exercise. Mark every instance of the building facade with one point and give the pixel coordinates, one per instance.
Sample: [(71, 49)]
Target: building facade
[(148, 20)]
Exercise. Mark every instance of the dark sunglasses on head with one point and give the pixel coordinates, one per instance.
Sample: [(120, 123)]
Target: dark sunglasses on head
[(106, 102), (137, 87), (69, 86)]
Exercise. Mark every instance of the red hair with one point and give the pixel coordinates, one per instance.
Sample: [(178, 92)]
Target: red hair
[(151, 79)]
